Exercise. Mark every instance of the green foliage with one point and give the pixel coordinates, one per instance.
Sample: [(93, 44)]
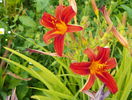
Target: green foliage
[(2, 78), (41, 5), (27, 21), (12, 2), (128, 10), (22, 90), (43, 74), (124, 77)]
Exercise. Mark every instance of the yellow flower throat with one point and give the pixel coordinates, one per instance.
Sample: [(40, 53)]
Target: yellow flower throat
[(61, 27), (96, 67)]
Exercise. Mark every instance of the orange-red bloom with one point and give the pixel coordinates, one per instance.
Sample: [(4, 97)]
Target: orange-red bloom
[(97, 67), (59, 26)]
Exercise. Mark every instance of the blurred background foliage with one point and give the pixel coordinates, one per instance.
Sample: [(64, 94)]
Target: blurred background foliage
[(20, 19)]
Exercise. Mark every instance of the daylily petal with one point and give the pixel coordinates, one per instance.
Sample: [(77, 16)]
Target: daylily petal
[(103, 54), (80, 68), (48, 20), (89, 83), (50, 34), (89, 52), (109, 81), (67, 14), (110, 63), (73, 28), (59, 44), (59, 10)]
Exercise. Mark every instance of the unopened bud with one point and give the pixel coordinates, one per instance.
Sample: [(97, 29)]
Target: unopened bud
[(95, 8)]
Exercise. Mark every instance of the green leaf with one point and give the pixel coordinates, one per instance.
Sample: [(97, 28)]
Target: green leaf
[(39, 97), (128, 10), (2, 78), (44, 74), (27, 21), (29, 70), (13, 82), (22, 91), (127, 89), (41, 4), (13, 2), (55, 93), (122, 74)]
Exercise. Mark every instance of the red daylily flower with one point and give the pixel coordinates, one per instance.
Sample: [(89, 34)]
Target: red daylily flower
[(97, 67), (59, 26)]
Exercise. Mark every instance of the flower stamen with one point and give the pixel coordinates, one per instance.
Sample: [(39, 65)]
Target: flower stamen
[(95, 67), (61, 27)]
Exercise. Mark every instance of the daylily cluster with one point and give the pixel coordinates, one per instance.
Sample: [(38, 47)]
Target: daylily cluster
[(98, 64)]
